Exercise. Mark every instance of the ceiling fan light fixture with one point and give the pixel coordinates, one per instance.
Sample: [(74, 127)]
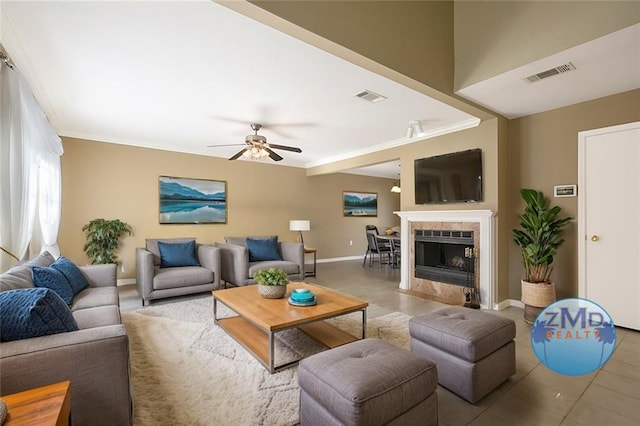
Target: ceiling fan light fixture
[(257, 148), (255, 153), (255, 138)]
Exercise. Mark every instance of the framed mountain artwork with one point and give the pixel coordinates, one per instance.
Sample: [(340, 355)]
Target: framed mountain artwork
[(360, 204), (186, 200)]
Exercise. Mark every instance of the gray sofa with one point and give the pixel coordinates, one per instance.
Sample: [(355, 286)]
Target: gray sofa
[(94, 358), (238, 270), (154, 282)]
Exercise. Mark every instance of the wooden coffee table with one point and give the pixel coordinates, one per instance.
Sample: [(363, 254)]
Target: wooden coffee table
[(259, 320), (47, 405)]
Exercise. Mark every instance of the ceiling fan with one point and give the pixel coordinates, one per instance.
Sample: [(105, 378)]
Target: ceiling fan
[(257, 147)]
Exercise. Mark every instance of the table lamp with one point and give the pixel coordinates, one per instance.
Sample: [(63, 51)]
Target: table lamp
[(299, 225)]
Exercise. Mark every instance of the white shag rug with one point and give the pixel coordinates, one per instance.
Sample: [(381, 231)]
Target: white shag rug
[(187, 371)]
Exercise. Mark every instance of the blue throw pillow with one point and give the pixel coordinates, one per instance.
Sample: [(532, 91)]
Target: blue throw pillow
[(54, 280), (178, 254), (72, 273), (33, 312), (261, 249)]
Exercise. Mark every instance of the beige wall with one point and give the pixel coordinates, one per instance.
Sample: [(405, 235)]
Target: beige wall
[(483, 136), (414, 38), (544, 153), (492, 37), (102, 180)]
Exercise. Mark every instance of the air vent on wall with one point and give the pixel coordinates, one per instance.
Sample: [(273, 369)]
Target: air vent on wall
[(368, 95), (551, 72)]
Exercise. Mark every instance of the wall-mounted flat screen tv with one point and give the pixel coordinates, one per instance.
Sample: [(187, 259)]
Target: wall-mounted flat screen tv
[(449, 178)]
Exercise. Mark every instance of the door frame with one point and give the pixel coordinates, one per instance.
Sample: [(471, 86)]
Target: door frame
[(582, 200)]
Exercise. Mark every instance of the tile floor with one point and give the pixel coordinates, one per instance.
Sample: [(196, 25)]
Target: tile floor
[(535, 395)]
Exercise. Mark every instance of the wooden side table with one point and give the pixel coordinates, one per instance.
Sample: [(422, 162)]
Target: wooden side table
[(44, 406), (308, 250)]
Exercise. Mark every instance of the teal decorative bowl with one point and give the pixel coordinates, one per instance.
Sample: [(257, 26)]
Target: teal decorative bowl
[(310, 302), (302, 295)]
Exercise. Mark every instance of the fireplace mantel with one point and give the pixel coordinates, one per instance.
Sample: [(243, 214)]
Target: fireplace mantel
[(485, 219)]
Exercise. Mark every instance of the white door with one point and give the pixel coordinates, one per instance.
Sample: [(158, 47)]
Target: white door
[(609, 220)]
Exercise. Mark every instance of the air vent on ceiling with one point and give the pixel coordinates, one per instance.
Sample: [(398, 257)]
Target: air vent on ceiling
[(370, 96), (551, 72)]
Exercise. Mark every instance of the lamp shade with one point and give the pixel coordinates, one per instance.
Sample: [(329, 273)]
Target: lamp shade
[(299, 225)]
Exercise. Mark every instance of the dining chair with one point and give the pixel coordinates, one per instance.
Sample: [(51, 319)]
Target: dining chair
[(374, 248), (372, 228), (396, 252)]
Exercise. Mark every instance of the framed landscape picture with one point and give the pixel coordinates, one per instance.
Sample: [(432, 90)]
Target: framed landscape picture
[(360, 204), (184, 200)]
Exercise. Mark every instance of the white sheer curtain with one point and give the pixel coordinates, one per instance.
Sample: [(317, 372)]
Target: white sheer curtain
[(49, 202), (29, 169)]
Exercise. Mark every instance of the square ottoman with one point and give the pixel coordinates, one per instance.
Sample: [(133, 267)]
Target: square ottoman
[(473, 350), (367, 382)]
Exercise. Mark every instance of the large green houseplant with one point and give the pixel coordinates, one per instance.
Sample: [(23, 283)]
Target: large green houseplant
[(539, 236), (103, 239), (272, 283)]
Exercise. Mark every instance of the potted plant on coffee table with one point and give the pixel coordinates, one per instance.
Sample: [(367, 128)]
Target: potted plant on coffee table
[(272, 283), (539, 236)]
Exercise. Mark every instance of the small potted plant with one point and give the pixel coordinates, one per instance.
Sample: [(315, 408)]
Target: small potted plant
[(272, 283), (538, 237), (103, 239)]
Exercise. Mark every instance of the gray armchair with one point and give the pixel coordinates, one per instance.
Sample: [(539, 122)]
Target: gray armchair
[(154, 282), (238, 270)]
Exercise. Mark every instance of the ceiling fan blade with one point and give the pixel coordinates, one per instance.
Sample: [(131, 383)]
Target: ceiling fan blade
[(286, 148), (231, 144), (273, 155), (239, 154)]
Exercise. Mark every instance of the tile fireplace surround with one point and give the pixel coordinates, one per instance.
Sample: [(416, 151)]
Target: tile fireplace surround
[(481, 221)]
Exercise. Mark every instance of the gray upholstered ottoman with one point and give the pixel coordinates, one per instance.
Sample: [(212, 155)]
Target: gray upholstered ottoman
[(473, 350), (368, 382)]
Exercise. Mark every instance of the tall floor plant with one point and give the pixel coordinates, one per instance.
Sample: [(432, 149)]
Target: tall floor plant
[(103, 239), (539, 237)]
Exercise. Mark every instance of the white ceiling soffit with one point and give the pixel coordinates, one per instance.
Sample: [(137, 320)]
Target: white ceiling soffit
[(180, 76), (604, 66), (390, 169)]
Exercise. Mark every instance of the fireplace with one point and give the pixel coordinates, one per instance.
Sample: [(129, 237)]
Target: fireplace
[(445, 256), (469, 231)]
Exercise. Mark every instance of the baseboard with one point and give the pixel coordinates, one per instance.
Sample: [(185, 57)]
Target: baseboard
[(125, 281), (508, 303), (339, 259)]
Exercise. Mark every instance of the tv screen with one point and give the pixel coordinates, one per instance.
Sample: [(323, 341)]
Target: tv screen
[(449, 178)]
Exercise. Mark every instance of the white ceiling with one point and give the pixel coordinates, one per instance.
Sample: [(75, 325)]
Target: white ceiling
[(183, 75), (604, 66)]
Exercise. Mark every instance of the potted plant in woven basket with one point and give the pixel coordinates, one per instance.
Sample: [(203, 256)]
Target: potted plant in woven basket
[(272, 283), (539, 236)]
